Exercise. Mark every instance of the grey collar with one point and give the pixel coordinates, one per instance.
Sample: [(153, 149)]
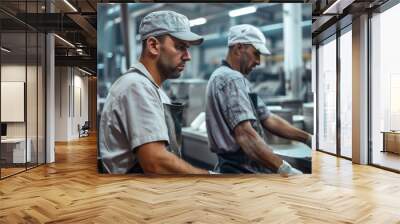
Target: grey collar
[(139, 66)]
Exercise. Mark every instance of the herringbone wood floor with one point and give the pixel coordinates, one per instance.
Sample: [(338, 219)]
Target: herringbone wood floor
[(71, 191)]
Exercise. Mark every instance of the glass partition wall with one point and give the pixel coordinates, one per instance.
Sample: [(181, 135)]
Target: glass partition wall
[(335, 74), (345, 93), (22, 77), (326, 54), (334, 94), (385, 90), (13, 88)]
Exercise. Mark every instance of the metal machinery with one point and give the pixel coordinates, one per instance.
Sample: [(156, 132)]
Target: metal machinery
[(272, 90), (190, 92)]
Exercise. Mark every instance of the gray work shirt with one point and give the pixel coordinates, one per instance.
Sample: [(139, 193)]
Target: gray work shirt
[(133, 115), (228, 104)]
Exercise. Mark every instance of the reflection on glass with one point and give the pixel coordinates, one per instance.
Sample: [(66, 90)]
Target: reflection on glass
[(327, 96), (22, 90), (346, 94)]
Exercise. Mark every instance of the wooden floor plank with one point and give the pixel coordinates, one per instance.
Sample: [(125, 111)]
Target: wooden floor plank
[(71, 191)]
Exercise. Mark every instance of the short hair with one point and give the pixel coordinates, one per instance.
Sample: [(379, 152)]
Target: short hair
[(160, 38), (230, 48), (243, 44)]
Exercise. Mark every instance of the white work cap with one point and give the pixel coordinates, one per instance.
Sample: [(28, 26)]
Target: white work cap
[(248, 34), (168, 22)]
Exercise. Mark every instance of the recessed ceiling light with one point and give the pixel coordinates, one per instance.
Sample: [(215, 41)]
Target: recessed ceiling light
[(64, 40), (86, 72), (5, 50)]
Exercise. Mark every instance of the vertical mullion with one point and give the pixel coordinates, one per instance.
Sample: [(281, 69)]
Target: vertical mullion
[(46, 3), (369, 78), (338, 98), (37, 88), (317, 96), (26, 85)]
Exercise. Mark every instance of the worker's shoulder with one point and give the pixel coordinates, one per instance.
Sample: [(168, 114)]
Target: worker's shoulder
[(134, 78), (225, 75), (133, 81)]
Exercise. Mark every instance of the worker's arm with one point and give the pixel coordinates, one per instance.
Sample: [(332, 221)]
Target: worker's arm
[(282, 128), (155, 159), (255, 147)]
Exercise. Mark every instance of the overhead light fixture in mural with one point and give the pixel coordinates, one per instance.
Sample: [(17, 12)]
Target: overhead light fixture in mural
[(242, 11), (198, 21)]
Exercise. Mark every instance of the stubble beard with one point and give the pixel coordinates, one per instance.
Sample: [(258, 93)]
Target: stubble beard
[(166, 69), (243, 65)]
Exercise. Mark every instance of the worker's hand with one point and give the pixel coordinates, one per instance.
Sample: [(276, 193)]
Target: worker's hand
[(287, 170)]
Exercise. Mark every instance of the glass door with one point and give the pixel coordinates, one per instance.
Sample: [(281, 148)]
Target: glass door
[(326, 54), (385, 89), (346, 92)]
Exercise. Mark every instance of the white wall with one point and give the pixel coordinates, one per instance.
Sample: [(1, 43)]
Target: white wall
[(17, 72), (71, 94), (61, 103), (79, 117)]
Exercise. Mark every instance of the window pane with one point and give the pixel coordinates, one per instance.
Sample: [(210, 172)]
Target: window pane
[(327, 96), (346, 94), (385, 88)]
